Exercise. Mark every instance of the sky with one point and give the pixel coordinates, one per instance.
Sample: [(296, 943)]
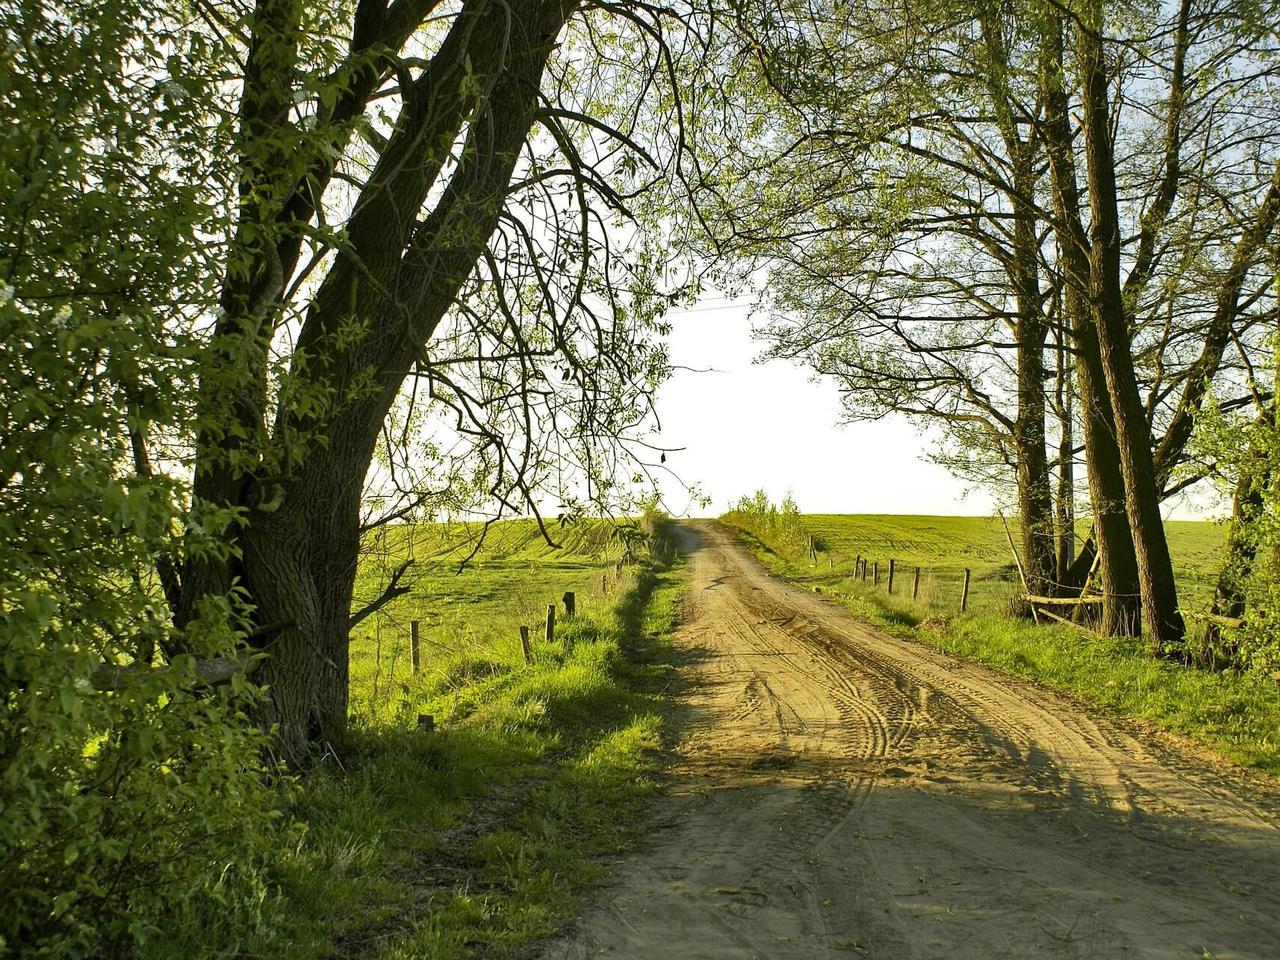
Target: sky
[(746, 426)]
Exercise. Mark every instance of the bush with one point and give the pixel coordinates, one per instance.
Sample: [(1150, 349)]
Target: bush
[(778, 527), (131, 797), (135, 819)]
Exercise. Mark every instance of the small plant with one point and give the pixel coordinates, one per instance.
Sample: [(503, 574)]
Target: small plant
[(631, 537)]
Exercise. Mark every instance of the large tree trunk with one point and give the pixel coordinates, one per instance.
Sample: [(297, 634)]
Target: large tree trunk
[(1133, 436), (295, 548), (1117, 562), (299, 567), (1111, 534)]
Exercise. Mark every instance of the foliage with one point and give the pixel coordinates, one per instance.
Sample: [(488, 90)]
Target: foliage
[(134, 817), (894, 155), (1244, 451), (779, 525)]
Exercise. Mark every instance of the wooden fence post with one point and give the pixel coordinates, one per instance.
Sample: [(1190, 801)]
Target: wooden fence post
[(915, 586), (964, 597), (415, 649), (551, 623), (892, 563), (875, 574), (570, 604), (524, 644)]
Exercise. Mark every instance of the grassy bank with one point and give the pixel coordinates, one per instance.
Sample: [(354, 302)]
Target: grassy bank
[(473, 838), (1234, 715), (943, 547)]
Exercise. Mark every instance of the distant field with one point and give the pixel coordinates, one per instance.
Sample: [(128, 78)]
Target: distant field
[(944, 546), (469, 617)]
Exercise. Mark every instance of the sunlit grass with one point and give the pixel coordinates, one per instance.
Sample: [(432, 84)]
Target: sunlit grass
[(1235, 715), (472, 839), (469, 615)]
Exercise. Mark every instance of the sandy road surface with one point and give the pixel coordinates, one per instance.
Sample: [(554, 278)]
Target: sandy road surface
[(839, 793)]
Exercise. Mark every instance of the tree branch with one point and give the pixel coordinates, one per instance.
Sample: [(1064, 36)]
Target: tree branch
[(393, 590)]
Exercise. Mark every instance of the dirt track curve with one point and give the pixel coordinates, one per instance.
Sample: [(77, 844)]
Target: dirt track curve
[(840, 793)]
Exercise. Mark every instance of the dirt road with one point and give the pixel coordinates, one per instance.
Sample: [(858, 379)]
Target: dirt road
[(840, 793)]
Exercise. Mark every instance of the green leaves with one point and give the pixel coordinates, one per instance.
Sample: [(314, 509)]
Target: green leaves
[(115, 797)]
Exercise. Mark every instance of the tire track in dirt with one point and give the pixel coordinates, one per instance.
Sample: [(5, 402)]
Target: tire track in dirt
[(836, 792)]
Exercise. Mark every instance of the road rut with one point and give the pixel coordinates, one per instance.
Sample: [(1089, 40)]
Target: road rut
[(837, 792)]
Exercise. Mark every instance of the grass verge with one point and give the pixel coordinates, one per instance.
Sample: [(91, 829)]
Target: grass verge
[(471, 840), (1234, 715)]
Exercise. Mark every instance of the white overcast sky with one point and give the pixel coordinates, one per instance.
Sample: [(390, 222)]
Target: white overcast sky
[(748, 426)]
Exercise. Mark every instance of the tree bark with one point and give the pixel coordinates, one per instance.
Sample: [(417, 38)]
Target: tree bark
[(1133, 435), (1121, 608), (296, 546), (1117, 563), (1035, 492), (1065, 513)]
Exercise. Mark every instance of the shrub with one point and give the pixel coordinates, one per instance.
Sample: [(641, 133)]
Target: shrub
[(779, 527), (134, 815)]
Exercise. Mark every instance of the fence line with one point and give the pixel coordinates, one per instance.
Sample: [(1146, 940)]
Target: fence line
[(866, 570)]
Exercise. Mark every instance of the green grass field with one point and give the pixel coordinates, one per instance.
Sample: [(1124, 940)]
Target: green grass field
[(472, 839), (469, 616), (944, 546), (1235, 715)]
